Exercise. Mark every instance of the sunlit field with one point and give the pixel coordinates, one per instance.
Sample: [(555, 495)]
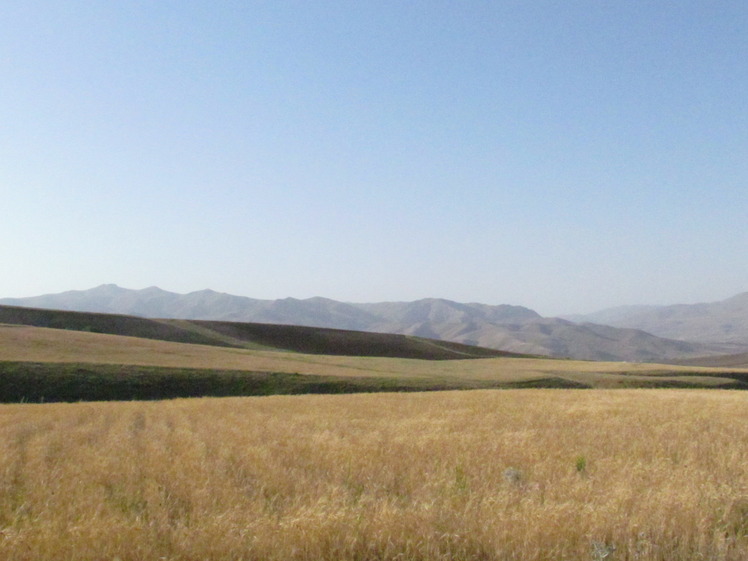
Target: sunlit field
[(22, 343), (485, 475)]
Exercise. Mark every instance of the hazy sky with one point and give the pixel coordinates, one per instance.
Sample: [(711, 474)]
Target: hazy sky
[(566, 156)]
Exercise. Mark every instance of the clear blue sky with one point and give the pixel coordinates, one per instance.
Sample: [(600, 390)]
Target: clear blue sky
[(566, 156)]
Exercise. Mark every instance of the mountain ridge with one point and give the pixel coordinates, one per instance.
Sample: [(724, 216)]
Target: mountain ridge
[(723, 321)]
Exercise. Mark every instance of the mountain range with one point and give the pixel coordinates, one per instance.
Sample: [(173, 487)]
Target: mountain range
[(645, 334), (716, 322)]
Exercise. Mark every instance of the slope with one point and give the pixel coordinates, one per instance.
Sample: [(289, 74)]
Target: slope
[(250, 336), (41, 364)]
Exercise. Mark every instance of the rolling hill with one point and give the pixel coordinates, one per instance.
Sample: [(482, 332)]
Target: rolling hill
[(303, 339), (739, 360), (44, 364)]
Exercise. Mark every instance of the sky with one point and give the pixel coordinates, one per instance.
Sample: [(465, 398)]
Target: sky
[(564, 156)]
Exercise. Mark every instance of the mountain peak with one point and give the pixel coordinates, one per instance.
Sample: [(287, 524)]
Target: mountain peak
[(109, 288), (153, 290)]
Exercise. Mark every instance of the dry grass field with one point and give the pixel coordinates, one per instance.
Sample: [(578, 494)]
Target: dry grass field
[(551, 475)]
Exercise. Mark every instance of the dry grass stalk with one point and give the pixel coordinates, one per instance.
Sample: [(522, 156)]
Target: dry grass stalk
[(486, 475)]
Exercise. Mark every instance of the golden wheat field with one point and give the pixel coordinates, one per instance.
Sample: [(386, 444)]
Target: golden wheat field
[(526, 475)]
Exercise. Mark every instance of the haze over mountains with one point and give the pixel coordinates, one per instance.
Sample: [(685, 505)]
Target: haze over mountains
[(634, 333), (716, 322)]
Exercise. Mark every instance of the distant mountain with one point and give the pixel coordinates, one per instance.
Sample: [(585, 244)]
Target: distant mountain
[(315, 312), (204, 304), (717, 322), (508, 328), (608, 316)]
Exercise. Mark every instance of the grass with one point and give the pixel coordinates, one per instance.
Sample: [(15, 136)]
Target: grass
[(52, 364), (483, 475), (24, 382)]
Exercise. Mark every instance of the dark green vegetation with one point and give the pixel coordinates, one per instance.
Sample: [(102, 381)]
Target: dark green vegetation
[(309, 340), (55, 382), (48, 382)]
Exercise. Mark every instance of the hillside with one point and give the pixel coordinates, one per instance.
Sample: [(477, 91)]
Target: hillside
[(42, 364), (721, 361), (302, 339), (503, 327)]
